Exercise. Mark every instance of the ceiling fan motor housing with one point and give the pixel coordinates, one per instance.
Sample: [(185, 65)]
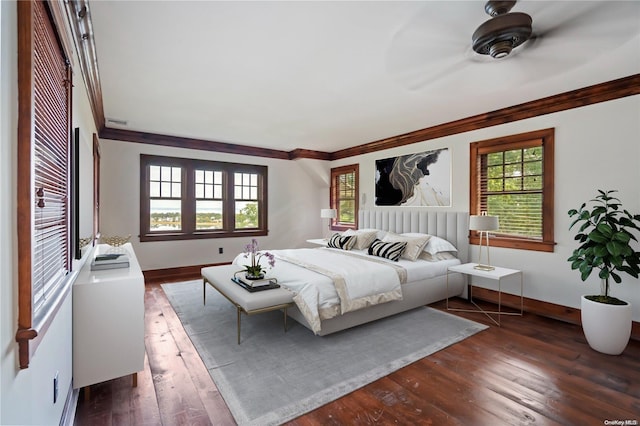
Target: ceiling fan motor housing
[(502, 33)]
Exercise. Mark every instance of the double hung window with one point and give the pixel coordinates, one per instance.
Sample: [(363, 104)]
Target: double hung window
[(344, 197), (512, 178)]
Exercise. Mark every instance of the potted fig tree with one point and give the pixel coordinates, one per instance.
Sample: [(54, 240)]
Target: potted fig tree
[(606, 236)]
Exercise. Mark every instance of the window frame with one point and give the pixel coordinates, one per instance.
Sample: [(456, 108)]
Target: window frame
[(545, 138), (188, 197), (334, 197), (34, 321)]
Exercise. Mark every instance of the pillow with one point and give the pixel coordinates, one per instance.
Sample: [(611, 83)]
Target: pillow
[(437, 245), (415, 245), (443, 255), (341, 242), (364, 237), (391, 251)]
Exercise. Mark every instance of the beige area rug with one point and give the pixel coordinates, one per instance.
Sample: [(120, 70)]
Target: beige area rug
[(273, 376)]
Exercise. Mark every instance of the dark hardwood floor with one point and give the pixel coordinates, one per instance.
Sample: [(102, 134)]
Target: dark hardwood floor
[(532, 370)]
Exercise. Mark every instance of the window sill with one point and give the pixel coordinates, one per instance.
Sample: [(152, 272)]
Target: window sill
[(202, 235), (517, 243)]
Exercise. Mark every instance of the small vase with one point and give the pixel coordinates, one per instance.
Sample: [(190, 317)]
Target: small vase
[(250, 276)]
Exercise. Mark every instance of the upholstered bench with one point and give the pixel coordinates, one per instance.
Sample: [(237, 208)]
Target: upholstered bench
[(219, 277)]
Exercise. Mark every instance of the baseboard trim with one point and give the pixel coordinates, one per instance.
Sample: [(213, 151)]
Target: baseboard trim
[(545, 309), (182, 273), (70, 406)]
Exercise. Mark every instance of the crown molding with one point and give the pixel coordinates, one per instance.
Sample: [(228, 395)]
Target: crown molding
[(190, 143), (620, 88)]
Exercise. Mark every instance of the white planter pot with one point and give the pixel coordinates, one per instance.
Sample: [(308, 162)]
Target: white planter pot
[(606, 327)]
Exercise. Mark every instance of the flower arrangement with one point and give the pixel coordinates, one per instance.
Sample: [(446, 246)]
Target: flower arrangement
[(255, 269)]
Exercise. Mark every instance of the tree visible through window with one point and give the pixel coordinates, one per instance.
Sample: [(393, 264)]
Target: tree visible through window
[(512, 178), (187, 199), (344, 197)]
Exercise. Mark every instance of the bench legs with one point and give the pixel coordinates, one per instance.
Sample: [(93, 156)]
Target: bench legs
[(239, 309), (239, 314)]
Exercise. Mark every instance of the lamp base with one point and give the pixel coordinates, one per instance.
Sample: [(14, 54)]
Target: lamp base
[(484, 267)]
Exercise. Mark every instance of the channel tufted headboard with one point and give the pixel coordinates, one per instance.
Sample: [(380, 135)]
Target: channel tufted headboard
[(452, 226)]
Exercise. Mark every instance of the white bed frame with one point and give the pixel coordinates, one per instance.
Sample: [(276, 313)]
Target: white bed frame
[(452, 226)]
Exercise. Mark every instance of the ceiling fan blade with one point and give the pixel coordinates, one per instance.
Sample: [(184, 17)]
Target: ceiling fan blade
[(431, 45), (584, 23)]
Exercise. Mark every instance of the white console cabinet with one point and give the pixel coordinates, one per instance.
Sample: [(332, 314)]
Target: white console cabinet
[(108, 320)]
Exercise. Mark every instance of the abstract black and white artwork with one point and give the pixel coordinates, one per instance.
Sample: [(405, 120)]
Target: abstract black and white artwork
[(421, 179)]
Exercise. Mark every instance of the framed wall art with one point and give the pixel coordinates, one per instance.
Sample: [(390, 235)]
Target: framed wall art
[(420, 179)]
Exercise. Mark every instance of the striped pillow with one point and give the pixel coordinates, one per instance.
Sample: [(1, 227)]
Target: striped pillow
[(341, 242), (391, 250)]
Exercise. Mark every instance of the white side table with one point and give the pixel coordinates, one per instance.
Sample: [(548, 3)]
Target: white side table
[(497, 274)]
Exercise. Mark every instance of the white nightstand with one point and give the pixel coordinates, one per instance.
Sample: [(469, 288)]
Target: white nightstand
[(318, 241), (497, 274)]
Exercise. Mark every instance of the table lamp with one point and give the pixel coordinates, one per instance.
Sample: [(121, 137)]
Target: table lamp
[(328, 214), (483, 223)]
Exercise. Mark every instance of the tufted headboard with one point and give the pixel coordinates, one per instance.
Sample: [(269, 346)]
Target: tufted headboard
[(452, 226)]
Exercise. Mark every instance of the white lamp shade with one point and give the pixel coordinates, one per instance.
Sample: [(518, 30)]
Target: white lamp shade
[(483, 223), (328, 213)]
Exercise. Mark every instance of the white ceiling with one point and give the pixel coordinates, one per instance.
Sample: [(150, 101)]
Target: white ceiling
[(331, 75)]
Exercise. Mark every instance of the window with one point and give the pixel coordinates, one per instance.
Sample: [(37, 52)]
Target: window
[(512, 178), (44, 164), (344, 197), (183, 198)]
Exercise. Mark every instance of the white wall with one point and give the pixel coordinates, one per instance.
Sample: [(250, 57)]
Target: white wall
[(26, 396), (596, 147), (296, 196)]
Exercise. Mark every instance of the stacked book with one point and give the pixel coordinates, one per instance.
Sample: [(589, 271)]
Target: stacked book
[(110, 261), (256, 285)]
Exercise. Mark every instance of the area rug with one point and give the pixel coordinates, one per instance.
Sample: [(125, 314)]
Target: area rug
[(273, 376)]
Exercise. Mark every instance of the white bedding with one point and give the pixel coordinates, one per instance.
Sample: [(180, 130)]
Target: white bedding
[(360, 283)]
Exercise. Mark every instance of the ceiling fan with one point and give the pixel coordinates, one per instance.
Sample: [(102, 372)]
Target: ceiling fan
[(503, 32), (439, 41)]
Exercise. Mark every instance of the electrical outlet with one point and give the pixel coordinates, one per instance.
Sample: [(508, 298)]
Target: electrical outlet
[(220, 250), (55, 388)]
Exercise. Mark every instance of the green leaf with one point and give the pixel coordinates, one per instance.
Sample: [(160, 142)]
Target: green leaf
[(585, 270), (616, 277), (597, 236), (622, 236), (604, 274), (597, 211), (576, 264), (605, 229), (615, 248), (600, 251)]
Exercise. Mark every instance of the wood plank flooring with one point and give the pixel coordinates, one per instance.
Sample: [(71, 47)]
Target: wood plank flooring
[(532, 370)]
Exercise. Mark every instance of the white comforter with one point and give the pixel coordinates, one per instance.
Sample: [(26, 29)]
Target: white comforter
[(328, 282)]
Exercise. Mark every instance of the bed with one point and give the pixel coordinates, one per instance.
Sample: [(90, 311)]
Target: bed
[(338, 288)]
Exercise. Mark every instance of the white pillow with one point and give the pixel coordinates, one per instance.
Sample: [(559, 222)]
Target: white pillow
[(435, 244), (380, 232), (415, 245), (443, 255), (364, 237)]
